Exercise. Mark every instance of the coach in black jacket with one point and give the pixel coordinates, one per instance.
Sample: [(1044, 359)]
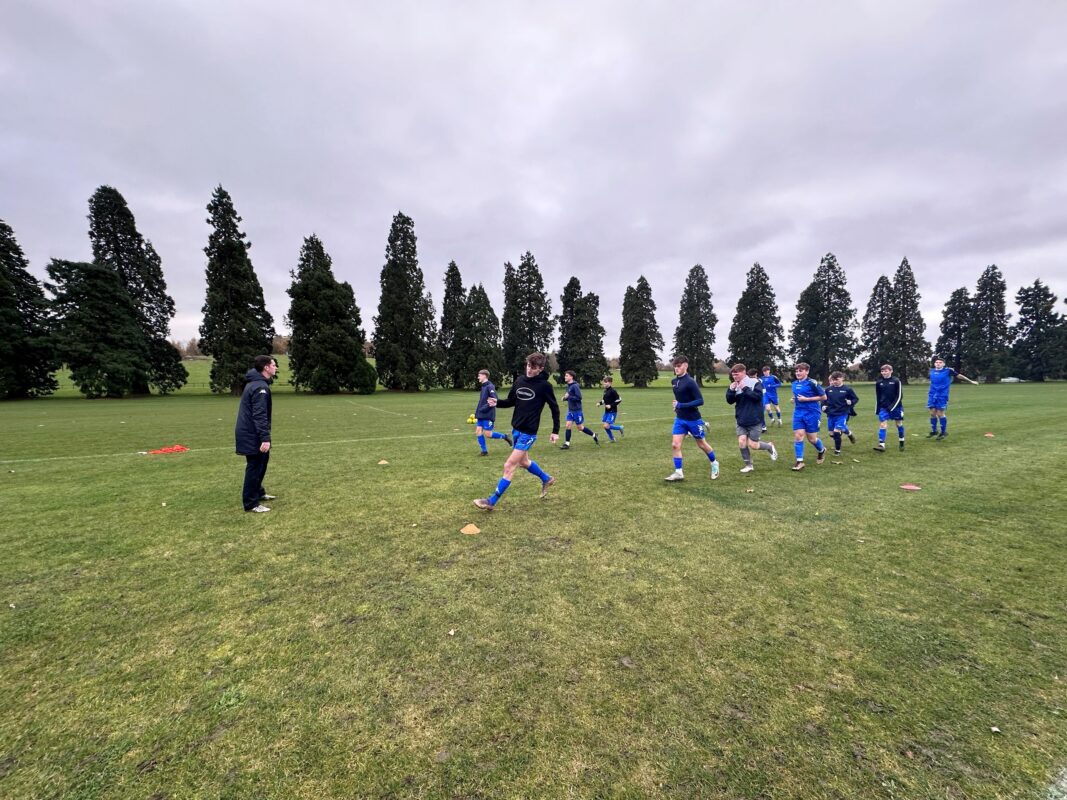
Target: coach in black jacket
[(252, 431)]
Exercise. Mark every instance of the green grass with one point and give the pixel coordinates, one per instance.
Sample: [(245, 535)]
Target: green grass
[(777, 635)]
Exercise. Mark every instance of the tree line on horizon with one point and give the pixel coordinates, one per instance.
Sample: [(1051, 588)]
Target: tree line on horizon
[(108, 320)]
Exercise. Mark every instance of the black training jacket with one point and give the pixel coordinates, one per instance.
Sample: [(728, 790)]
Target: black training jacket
[(253, 414), (528, 396)]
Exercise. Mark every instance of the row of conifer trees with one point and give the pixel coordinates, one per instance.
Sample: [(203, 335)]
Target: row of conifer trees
[(108, 321)]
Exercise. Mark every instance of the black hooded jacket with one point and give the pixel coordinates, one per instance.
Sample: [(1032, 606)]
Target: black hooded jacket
[(528, 396), (253, 414)]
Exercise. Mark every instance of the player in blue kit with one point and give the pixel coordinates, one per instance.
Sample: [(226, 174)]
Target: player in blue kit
[(770, 396), (889, 396), (687, 399), (485, 414), (610, 402), (808, 397), (941, 378), (573, 397), (840, 404), (528, 396)]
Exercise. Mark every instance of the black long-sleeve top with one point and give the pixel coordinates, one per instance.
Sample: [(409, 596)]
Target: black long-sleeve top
[(611, 400), (529, 396)]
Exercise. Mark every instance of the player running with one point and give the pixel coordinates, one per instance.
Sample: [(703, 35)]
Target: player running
[(840, 404), (687, 399), (745, 394), (889, 396), (485, 414), (807, 414), (528, 396), (770, 397), (610, 402), (573, 397)]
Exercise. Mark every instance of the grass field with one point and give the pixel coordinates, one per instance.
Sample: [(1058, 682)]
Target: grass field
[(775, 635)]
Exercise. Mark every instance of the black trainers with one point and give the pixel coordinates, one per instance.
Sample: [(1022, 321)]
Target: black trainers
[(931, 434), (596, 440), (565, 446), (902, 445), (852, 438), (941, 436), (880, 447), (837, 452), (508, 440)]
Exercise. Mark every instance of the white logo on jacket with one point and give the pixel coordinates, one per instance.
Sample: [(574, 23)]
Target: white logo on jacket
[(524, 393)]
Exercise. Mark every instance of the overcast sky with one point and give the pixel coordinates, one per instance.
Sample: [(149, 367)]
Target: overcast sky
[(611, 139)]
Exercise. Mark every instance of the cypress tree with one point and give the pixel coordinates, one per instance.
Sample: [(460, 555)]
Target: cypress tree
[(640, 340), (909, 350), (823, 331), (118, 244), (568, 357), (236, 326), (453, 306), (477, 344), (875, 331), (756, 332), (590, 365), (989, 334), (1038, 351), (695, 333), (404, 332), (27, 355), (512, 336), (97, 333), (527, 321), (326, 347), (955, 321)]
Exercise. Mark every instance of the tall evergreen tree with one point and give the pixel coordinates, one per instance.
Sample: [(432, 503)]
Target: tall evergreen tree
[(955, 322), (587, 343), (477, 342), (909, 350), (640, 341), (326, 347), (756, 332), (988, 341), (453, 306), (823, 331), (875, 332), (512, 336), (695, 333), (527, 321), (97, 334), (567, 357), (119, 245), (27, 355), (236, 326), (404, 330), (1038, 351)]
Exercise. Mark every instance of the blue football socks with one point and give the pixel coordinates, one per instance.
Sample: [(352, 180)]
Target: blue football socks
[(501, 487)]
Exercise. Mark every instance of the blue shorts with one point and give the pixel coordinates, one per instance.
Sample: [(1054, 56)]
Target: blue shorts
[(609, 417), (809, 423), (485, 424), (770, 398), (694, 427), (897, 414), (577, 417), (837, 422), (523, 441), (937, 400)]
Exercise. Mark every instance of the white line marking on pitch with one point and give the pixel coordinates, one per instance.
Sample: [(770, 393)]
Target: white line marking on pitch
[(292, 444)]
